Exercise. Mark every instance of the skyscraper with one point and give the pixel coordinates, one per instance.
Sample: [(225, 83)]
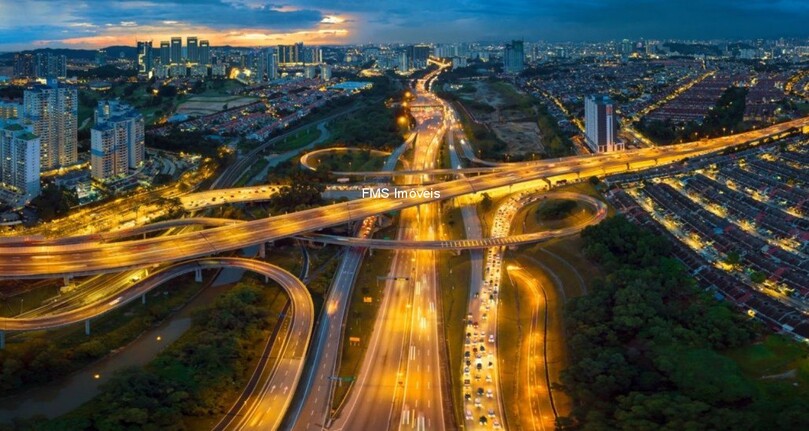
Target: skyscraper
[(420, 55), (193, 49), (52, 111), (144, 54), (514, 57), (272, 64), (204, 52), (289, 54), (325, 72), (176, 50), (165, 52), (599, 122), (49, 65), (19, 158), (116, 140), (24, 65)]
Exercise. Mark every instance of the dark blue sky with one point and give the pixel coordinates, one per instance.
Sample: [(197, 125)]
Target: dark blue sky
[(95, 23)]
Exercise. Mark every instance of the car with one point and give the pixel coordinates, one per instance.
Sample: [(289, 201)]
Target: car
[(496, 424), (477, 403), (491, 338), (488, 378), (489, 393), (491, 413), (469, 415)]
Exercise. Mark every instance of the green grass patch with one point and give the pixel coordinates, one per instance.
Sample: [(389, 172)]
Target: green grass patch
[(301, 139)]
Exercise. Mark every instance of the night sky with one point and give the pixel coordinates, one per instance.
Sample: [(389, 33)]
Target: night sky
[(97, 23)]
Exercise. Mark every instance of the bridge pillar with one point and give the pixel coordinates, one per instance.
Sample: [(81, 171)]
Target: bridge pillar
[(370, 251), (66, 279), (198, 275), (143, 299), (2, 340), (87, 327), (262, 250)]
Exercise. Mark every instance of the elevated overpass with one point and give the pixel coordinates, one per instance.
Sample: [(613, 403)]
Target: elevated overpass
[(51, 260)]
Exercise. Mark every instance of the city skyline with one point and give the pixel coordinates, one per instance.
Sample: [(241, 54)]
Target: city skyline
[(93, 24)]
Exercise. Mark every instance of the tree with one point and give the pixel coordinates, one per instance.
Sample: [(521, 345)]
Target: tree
[(486, 202)]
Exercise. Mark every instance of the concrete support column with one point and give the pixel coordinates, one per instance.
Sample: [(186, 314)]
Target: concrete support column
[(2, 340), (66, 279), (198, 275), (370, 251), (143, 299), (262, 250), (87, 327)]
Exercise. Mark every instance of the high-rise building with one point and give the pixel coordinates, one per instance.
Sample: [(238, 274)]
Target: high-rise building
[(309, 71), (50, 66), (405, 62), (165, 52), (144, 55), (193, 49), (10, 110), (24, 65), (116, 140), (420, 55), (272, 64), (599, 123), (19, 158), (626, 47), (204, 52), (258, 63), (312, 55), (52, 110), (325, 72), (176, 50), (290, 54), (514, 57)]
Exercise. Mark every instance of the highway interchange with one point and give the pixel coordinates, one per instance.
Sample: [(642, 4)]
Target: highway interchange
[(403, 381)]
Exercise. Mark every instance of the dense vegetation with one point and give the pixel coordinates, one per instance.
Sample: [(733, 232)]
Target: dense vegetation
[(373, 126), (177, 141), (196, 377), (555, 209), (54, 202), (727, 116), (646, 347)]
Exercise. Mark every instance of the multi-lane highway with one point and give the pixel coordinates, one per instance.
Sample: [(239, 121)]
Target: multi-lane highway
[(85, 258)]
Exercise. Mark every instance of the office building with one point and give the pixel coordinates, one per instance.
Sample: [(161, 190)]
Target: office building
[(193, 49), (165, 52), (144, 57), (19, 158), (204, 52), (52, 110), (599, 122), (514, 57), (176, 50), (116, 140)]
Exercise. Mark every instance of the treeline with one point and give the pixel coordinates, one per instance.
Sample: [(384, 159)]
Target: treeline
[(373, 127), (197, 377), (190, 141), (645, 347)]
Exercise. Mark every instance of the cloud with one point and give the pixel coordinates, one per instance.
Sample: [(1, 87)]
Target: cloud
[(94, 22)]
